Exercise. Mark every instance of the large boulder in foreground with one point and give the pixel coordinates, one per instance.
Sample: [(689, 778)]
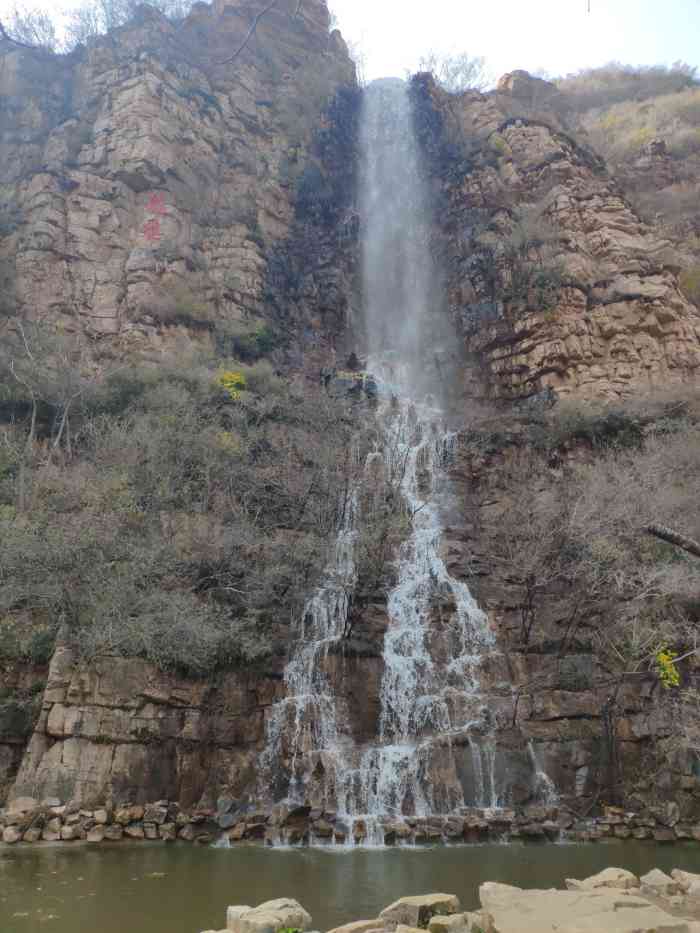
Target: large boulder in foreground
[(418, 911), (284, 913), (583, 911)]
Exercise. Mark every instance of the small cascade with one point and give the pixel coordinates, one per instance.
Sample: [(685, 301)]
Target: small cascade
[(544, 789), (305, 721)]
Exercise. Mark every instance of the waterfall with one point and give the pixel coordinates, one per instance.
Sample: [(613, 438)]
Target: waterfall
[(434, 722), (544, 789)]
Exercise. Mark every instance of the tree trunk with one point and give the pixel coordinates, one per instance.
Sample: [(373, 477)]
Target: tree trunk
[(24, 463), (674, 537)]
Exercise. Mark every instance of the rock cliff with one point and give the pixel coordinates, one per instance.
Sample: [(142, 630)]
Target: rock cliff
[(553, 278)]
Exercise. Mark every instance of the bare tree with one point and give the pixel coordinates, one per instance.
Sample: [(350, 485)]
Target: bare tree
[(456, 73), (31, 28)]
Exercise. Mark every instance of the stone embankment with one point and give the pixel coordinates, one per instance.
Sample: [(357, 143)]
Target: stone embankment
[(28, 820), (614, 900)]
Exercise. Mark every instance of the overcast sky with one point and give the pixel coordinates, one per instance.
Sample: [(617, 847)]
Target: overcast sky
[(558, 36)]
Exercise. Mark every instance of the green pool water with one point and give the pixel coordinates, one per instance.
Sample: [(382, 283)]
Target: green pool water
[(156, 888)]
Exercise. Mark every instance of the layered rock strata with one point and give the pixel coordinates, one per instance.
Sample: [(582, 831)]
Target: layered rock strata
[(553, 279)]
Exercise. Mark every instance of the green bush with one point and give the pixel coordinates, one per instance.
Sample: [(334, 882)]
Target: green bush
[(246, 340)]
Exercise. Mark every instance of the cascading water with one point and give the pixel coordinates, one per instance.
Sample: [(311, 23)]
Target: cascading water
[(432, 715)]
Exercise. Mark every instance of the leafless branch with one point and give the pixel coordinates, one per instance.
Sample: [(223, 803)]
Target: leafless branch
[(4, 34), (251, 32)]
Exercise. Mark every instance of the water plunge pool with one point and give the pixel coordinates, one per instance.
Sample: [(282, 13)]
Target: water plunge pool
[(154, 888)]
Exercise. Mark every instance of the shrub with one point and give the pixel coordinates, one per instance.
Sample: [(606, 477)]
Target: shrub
[(690, 283), (247, 340), (197, 503), (181, 306), (614, 82)]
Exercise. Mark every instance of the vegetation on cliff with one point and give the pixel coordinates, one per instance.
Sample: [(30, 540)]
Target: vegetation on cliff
[(178, 512)]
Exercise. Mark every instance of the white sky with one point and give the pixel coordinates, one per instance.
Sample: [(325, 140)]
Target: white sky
[(558, 36)]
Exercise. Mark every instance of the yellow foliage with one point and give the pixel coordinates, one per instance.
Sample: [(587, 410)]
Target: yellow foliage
[(228, 442), (666, 668), (233, 382)]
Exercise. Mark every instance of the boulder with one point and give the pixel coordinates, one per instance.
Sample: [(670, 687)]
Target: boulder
[(684, 879), (22, 805), (469, 922), (71, 833), (582, 911), (168, 832), (123, 816), (323, 829), (11, 835), (114, 833), (618, 878), (419, 910), (269, 917), (155, 814), (659, 883), (134, 831), (32, 835), (101, 817), (150, 830), (96, 834)]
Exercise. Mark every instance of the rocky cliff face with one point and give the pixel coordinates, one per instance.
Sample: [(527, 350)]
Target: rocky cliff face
[(553, 278), (148, 177), (179, 185)]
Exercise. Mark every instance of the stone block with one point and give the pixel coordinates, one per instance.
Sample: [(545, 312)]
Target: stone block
[(155, 814), (659, 883), (33, 834), (150, 830), (11, 835), (96, 834), (70, 833), (419, 910), (269, 917), (101, 817), (22, 805), (114, 833), (684, 879), (134, 831), (48, 835), (168, 832), (122, 816)]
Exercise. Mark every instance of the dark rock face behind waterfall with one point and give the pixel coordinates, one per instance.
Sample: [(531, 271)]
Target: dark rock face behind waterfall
[(160, 204)]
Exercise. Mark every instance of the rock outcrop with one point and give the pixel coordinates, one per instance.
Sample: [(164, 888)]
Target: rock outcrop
[(149, 175), (554, 280)]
